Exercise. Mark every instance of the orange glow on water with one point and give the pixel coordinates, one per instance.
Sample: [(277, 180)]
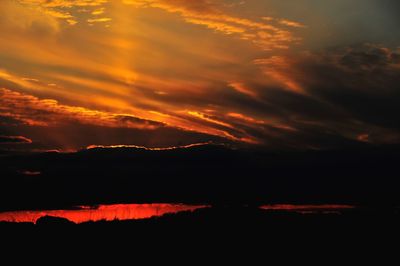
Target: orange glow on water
[(307, 208), (102, 212)]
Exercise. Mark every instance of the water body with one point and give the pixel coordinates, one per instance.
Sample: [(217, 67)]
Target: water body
[(101, 212), (309, 209), (143, 211)]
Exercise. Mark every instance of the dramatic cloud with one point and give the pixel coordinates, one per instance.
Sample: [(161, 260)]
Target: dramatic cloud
[(348, 90), (46, 112), (63, 9), (168, 72), (209, 14), (65, 3), (14, 18), (14, 140)]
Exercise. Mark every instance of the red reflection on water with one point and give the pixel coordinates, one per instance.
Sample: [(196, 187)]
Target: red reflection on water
[(331, 208), (102, 212)]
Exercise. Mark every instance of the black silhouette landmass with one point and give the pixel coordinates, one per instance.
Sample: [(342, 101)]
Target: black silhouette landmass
[(209, 174), (235, 221), (227, 233)]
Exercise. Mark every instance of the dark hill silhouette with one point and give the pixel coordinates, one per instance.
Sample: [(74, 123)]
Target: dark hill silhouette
[(203, 174), (225, 233)]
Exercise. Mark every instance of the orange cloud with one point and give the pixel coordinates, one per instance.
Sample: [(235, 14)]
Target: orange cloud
[(33, 111), (211, 15), (291, 23), (124, 72), (246, 118), (240, 87), (62, 9), (277, 69), (221, 128), (65, 3), (14, 140), (15, 18), (94, 20), (98, 11), (208, 119)]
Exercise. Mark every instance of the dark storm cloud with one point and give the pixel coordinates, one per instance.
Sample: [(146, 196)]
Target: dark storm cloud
[(350, 95), (363, 82), (369, 57)]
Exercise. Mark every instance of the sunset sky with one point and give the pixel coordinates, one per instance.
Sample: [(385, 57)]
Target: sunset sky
[(304, 74)]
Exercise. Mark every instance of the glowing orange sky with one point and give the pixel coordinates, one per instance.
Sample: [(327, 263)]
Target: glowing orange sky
[(238, 71)]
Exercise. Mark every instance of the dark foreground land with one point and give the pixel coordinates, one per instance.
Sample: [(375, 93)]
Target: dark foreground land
[(224, 233), (236, 220), (213, 175)]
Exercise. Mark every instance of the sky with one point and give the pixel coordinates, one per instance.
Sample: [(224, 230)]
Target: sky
[(304, 74)]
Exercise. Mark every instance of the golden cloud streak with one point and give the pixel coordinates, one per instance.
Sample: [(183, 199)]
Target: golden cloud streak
[(209, 14), (48, 112)]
